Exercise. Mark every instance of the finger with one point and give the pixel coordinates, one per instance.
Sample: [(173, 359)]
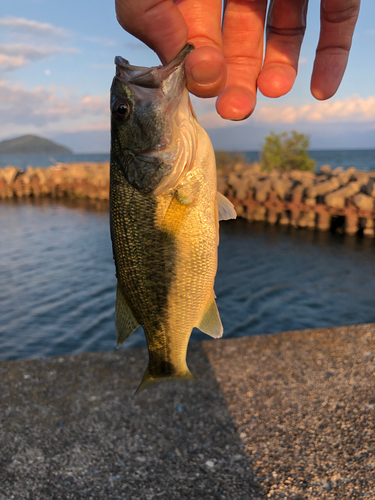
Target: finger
[(338, 19), (157, 23), (243, 28), (205, 67), (286, 24)]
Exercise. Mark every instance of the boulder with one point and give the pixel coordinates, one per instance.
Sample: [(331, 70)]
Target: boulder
[(251, 179), (369, 187), (307, 219), (337, 170), (240, 209), (5, 190), (222, 186), (253, 168), (10, 173), (282, 186), (361, 177), (300, 175), (259, 213), (239, 186), (310, 201), (262, 188), (338, 197), (284, 218), (323, 221), (238, 168), (298, 188), (325, 169), (369, 228), (363, 201), (323, 187), (345, 176)]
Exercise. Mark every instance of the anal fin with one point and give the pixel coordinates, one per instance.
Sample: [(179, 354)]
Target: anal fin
[(210, 322), (125, 321), (225, 207)]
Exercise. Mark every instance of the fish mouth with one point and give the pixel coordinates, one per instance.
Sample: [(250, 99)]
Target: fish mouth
[(151, 78)]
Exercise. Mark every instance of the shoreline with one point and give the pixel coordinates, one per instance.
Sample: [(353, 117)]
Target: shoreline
[(288, 415)]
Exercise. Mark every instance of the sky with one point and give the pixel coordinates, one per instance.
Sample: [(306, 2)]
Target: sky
[(56, 67)]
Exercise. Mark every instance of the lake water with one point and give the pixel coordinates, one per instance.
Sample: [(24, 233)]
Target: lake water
[(363, 159), (58, 284)]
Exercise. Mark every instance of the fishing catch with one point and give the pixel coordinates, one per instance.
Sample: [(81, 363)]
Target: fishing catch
[(164, 215)]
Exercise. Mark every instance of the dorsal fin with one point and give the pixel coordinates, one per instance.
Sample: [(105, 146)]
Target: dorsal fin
[(210, 321), (225, 207), (125, 321)]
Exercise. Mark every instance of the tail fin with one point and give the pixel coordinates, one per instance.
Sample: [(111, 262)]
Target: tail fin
[(149, 380)]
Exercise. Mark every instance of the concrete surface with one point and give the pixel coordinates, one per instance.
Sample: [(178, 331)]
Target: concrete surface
[(289, 416)]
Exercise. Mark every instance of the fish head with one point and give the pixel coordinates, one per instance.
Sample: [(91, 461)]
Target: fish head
[(153, 135)]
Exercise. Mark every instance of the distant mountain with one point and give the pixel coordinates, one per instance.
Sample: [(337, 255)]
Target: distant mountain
[(31, 144)]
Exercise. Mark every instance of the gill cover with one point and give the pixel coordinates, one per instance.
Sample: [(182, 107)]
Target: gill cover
[(152, 126)]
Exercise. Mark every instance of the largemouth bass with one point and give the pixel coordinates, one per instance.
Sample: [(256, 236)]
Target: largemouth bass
[(164, 213)]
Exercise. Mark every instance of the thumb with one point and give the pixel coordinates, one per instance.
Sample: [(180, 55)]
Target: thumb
[(157, 23)]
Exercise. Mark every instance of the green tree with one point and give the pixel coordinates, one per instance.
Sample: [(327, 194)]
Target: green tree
[(286, 151), (226, 161)]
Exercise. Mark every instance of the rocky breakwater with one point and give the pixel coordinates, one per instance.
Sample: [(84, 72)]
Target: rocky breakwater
[(73, 180), (338, 199), (330, 199)]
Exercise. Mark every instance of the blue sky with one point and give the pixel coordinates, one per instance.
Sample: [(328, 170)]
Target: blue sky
[(56, 67)]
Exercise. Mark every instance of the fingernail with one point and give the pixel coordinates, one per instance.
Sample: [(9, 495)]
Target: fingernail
[(206, 73)]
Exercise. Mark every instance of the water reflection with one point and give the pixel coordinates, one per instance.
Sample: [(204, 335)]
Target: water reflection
[(57, 279)]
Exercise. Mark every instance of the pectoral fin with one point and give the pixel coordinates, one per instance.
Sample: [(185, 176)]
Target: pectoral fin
[(176, 213), (125, 321), (210, 322), (225, 207)]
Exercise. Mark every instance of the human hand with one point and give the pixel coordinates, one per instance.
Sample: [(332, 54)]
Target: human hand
[(228, 60)]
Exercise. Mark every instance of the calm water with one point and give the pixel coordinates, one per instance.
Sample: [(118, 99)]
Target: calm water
[(23, 161), (57, 280), (363, 159)]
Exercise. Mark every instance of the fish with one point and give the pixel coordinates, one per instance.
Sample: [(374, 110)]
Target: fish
[(164, 215)]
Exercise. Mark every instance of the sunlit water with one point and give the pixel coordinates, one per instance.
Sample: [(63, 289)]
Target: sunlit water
[(58, 284)]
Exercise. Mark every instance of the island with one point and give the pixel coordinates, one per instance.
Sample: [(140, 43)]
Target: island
[(31, 144)]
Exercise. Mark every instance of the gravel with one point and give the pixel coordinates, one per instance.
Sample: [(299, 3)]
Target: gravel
[(288, 416)]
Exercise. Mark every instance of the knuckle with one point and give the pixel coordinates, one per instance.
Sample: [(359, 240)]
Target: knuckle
[(298, 31), (337, 15)]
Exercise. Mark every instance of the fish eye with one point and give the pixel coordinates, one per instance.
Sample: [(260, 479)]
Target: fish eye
[(121, 109)]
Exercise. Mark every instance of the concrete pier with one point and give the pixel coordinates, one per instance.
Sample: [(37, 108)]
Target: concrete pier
[(290, 415)]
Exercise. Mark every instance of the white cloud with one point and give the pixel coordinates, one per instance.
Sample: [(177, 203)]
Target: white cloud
[(21, 25), (351, 109), (9, 63), (15, 55), (32, 51), (37, 110)]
